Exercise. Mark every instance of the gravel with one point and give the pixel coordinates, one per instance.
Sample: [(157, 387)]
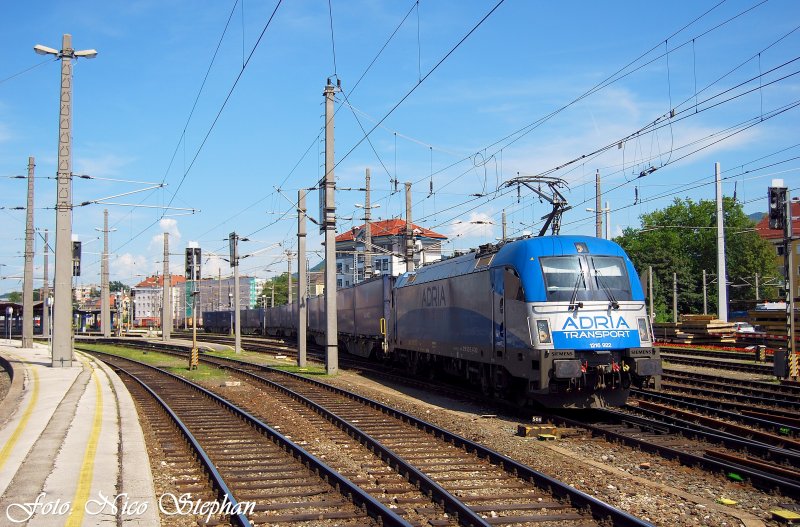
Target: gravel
[(647, 486), (5, 383)]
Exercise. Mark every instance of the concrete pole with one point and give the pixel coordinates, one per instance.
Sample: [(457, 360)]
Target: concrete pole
[(503, 235), (62, 302), (598, 207), (166, 304), (409, 232), (302, 294), (650, 293), (331, 325), (367, 233), (272, 294), (758, 295), (237, 315), (608, 221), (675, 298), (289, 282), (219, 289), (722, 285), (791, 347), (46, 289), (705, 294), (27, 284), (105, 291)]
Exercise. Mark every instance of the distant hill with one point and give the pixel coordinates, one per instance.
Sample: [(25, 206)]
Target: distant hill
[(756, 216)]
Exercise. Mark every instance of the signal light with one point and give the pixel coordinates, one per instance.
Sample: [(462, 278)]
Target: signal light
[(189, 263), (193, 263), (233, 240), (76, 258), (777, 207)]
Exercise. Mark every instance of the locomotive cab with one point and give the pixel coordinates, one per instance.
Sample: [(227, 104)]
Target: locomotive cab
[(592, 332)]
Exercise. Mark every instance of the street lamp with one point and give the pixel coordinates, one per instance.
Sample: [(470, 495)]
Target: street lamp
[(62, 325)]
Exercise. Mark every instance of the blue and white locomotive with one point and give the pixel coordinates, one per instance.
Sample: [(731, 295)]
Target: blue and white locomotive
[(558, 321)]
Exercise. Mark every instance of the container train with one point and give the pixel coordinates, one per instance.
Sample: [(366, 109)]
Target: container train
[(555, 321)]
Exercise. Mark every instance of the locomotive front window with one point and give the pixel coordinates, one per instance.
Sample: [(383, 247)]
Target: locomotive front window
[(585, 277), (611, 276), (563, 277)]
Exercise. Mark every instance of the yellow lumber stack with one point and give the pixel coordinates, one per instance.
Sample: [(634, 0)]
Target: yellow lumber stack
[(773, 320), (696, 329)]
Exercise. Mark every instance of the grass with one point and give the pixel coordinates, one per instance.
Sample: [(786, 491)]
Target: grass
[(176, 365), (204, 372), (256, 357)]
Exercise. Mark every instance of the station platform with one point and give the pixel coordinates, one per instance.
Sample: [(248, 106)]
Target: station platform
[(72, 451)]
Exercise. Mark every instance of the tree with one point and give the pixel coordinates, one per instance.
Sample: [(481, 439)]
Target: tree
[(682, 239), (281, 285), (116, 285), (15, 297)]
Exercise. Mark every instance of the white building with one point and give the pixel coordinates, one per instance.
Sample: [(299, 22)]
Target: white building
[(388, 250), (147, 297)]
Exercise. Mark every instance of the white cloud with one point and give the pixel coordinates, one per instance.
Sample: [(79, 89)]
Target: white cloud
[(170, 226), (213, 265), (102, 166), (130, 268), (479, 226)]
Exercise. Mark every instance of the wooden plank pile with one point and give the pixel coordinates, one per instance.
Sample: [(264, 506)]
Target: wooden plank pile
[(696, 329), (773, 322)]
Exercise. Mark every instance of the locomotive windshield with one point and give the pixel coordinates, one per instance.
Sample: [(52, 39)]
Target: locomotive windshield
[(578, 277)]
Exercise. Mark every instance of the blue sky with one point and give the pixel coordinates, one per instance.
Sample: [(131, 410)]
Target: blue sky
[(459, 128)]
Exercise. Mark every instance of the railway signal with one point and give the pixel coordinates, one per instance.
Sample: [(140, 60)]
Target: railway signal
[(193, 265), (193, 255), (777, 206), (780, 217), (76, 258)]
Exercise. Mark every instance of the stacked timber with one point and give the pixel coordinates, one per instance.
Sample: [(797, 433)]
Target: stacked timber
[(696, 329), (773, 321), (708, 329), (671, 332)]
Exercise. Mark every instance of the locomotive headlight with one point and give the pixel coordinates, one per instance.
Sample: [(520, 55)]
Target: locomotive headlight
[(543, 331), (644, 330)]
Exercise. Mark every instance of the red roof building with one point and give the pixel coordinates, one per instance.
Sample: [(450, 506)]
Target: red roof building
[(148, 296), (387, 250)]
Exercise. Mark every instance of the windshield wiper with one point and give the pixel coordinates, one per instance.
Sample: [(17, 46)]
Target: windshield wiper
[(572, 303), (613, 304)]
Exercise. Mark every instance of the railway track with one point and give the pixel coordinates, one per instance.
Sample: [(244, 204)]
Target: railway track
[(762, 388), (251, 462), (744, 355), (722, 364), (674, 437), (453, 475), (764, 403), (766, 467)]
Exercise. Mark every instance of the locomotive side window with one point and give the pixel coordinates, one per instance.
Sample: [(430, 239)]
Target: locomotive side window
[(513, 286), (562, 277), (610, 275)]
